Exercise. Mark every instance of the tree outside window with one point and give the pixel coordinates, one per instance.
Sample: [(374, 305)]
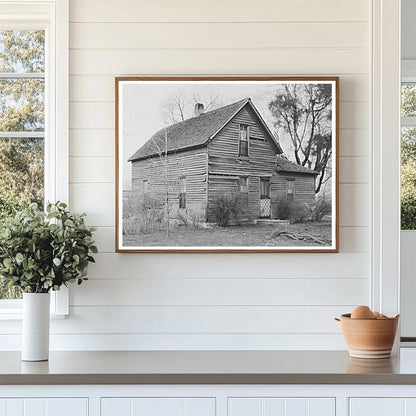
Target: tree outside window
[(408, 157), (22, 124)]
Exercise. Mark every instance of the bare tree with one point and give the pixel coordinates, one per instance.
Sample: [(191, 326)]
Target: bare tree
[(174, 108), (163, 158), (180, 105)]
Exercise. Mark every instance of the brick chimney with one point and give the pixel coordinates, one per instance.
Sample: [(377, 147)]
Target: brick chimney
[(199, 109)]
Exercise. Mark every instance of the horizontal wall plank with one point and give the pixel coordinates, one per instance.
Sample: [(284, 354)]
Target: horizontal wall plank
[(354, 88), (92, 88), (220, 62), (94, 143), (200, 319), (91, 169), (216, 292), (218, 35), (354, 169), (96, 199), (99, 88), (194, 319), (105, 239), (352, 239), (352, 115), (217, 11), (272, 265), (147, 342), (354, 142), (354, 205), (81, 115)]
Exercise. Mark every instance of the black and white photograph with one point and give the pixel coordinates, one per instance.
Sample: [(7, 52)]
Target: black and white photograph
[(226, 164)]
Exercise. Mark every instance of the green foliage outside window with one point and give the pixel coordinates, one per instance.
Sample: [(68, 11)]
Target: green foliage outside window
[(408, 160), (21, 110)]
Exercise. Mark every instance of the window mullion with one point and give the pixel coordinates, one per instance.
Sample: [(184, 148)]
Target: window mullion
[(22, 75), (22, 134), (408, 121)]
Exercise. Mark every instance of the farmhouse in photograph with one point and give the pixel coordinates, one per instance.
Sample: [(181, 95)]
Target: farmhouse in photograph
[(227, 151)]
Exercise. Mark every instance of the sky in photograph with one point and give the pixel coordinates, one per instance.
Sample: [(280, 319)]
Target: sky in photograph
[(143, 112)]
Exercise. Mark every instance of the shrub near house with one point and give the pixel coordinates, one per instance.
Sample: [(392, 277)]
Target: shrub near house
[(191, 165)]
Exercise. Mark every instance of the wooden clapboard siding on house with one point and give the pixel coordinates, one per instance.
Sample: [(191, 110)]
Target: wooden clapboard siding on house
[(164, 173), (303, 187), (219, 186), (223, 157), (225, 166)]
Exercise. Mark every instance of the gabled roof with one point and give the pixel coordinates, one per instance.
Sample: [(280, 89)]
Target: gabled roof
[(196, 131), (284, 165)]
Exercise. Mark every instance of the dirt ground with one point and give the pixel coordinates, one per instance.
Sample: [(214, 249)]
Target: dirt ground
[(260, 235)]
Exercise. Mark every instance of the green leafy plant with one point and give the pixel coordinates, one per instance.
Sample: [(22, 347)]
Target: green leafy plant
[(43, 251)]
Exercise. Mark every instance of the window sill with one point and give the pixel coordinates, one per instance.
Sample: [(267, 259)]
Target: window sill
[(12, 309)]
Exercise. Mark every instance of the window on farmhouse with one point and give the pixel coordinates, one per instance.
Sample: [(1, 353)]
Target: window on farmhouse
[(243, 142), (182, 192), (145, 185), (264, 188), (22, 124), (408, 156), (290, 189), (243, 185)]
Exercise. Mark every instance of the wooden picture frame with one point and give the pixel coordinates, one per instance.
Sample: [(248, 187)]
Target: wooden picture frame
[(227, 164)]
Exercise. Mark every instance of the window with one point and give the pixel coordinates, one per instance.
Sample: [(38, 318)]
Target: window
[(22, 124), (145, 185), (243, 185), (264, 188), (243, 142), (22, 119), (243, 188), (290, 189), (33, 111), (182, 192)]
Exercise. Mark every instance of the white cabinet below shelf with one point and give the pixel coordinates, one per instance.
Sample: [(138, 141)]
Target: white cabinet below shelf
[(160, 406), (270, 406), (382, 406), (44, 407)]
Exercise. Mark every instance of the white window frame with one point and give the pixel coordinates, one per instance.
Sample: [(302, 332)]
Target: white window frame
[(53, 17), (385, 151)]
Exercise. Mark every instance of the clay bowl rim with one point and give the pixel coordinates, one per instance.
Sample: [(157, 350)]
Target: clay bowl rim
[(347, 316)]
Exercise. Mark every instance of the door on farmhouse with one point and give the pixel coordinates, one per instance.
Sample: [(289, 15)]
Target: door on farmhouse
[(265, 206)]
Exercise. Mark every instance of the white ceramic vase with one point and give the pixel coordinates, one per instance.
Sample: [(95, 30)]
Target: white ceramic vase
[(35, 326)]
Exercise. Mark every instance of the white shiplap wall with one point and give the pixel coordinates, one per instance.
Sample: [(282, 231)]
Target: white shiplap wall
[(218, 301)]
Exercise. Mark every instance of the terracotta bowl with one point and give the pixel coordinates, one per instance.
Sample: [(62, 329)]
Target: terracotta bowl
[(369, 338)]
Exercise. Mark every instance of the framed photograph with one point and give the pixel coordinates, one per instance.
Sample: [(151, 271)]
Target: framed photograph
[(227, 164)]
